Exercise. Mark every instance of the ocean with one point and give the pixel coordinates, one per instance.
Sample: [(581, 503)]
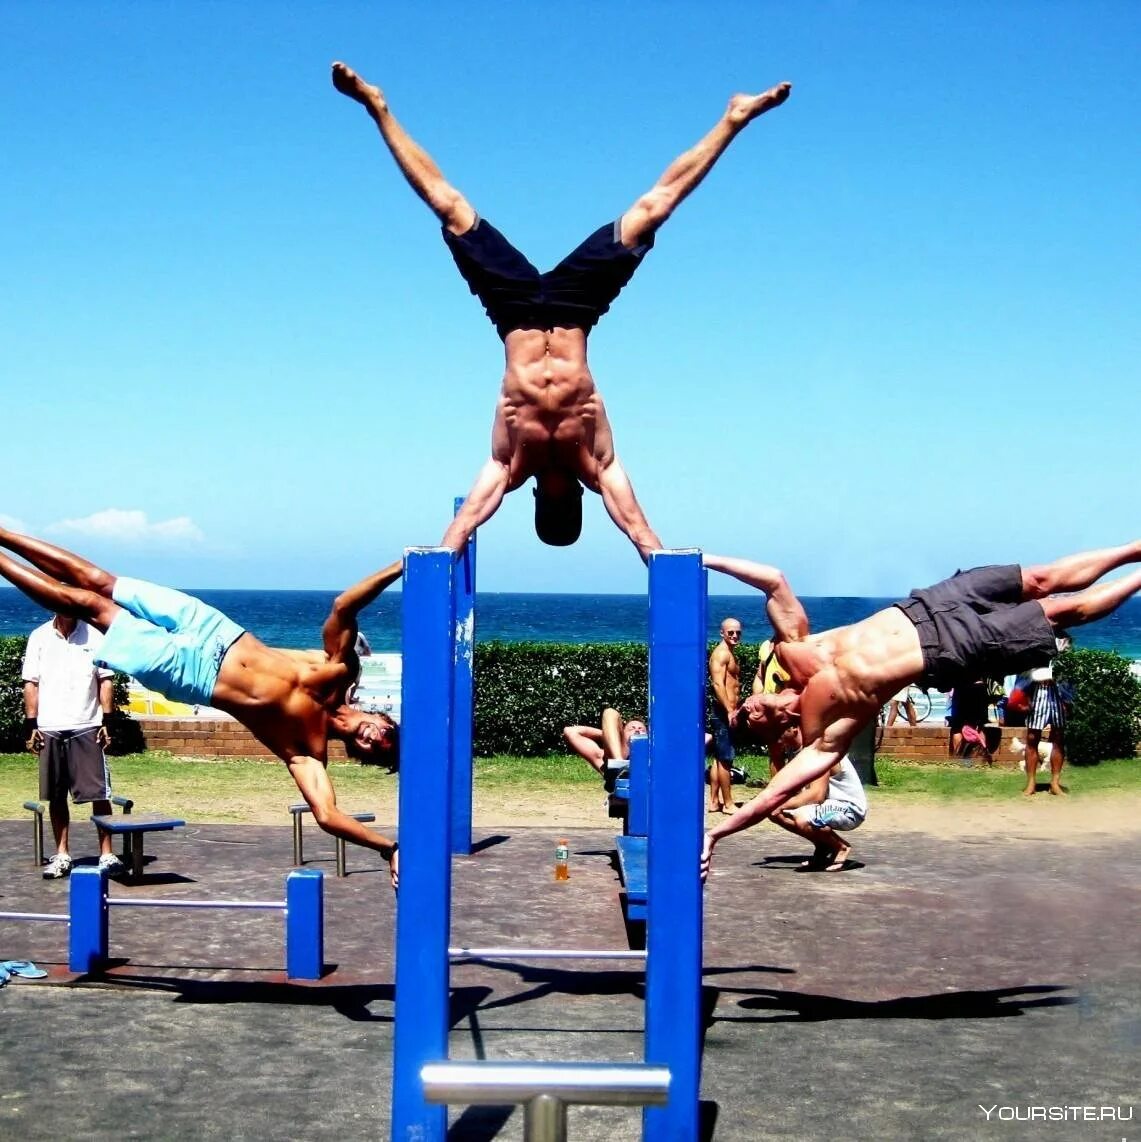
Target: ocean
[(294, 618)]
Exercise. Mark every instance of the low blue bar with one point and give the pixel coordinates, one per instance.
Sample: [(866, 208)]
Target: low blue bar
[(463, 697), (423, 904), (304, 923), (638, 810), (88, 933), (674, 923)]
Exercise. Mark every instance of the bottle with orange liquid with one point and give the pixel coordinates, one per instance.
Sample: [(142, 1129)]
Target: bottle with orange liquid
[(562, 855)]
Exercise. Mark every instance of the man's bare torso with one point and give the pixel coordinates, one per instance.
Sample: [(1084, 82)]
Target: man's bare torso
[(282, 697), (869, 660), (550, 414)]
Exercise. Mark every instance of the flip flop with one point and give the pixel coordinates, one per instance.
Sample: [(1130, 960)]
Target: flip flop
[(23, 969)]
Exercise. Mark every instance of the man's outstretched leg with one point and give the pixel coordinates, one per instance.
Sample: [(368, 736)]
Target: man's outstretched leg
[(58, 563), (681, 177), (1093, 603), (1073, 572), (417, 166)]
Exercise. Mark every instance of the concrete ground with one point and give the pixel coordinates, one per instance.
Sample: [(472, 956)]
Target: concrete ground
[(891, 1000)]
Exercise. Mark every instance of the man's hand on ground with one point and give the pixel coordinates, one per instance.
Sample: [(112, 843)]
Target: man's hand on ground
[(706, 856)]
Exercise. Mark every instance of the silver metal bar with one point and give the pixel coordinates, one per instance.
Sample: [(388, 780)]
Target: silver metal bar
[(476, 1083), (263, 905), (33, 916), (506, 953)]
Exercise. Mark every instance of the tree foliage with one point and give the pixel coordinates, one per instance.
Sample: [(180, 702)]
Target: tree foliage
[(1105, 720)]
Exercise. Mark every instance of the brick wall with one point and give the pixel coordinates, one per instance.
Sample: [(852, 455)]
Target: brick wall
[(209, 737), (928, 743), (223, 737)]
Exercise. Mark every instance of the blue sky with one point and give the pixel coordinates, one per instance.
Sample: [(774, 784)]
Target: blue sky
[(895, 332)]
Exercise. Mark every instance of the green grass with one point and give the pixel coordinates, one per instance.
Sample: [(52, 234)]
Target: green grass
[(233, 789), (975, 783)]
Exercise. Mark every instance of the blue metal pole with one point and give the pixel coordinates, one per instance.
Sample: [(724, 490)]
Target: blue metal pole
[(423, 905), (304, 923), (638, 808), (674, 923), (88, 932), (463, 700)]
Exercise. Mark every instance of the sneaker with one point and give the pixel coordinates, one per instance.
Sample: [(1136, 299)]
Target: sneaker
[(111, 864), (58, 866)]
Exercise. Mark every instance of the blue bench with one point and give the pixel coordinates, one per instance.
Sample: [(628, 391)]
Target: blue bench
[(38, 808), (133, 829), (298, 844), (632, 852)]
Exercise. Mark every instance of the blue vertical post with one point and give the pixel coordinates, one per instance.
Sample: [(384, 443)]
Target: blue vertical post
[(88, 932), (638, 807), (304, 923), (674, 922), (423, 905), (463, 700)]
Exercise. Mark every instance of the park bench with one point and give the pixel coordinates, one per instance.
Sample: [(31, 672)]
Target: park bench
[(133, 829), (38, 808), (298, 843)]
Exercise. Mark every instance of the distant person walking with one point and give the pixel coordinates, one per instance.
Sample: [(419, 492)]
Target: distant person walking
[(67, 702), (1047, 710), (725, 678)]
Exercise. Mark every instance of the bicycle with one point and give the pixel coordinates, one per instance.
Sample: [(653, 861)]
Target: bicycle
[(919, 700)]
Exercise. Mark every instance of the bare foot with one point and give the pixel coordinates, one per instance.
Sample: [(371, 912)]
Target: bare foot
[(1030, 790), (1056, 790), (744, 108), (839, 858), (347, 82)]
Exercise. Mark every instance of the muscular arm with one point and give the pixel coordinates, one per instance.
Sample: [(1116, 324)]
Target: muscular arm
[(315, 786), (481, 504), (785, 611), (339, 633), (719, 678), (623, 508)]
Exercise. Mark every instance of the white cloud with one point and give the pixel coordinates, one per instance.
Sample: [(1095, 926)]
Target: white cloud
[(131, 528), (13, 524)]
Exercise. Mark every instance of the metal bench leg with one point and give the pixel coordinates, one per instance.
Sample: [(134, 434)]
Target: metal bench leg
[(136, 850), (298, 855), (341, 856), (38, 838)]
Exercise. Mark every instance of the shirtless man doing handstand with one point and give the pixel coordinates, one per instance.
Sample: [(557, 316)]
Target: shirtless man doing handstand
[(550, 422), (292, 701), (989, 622)]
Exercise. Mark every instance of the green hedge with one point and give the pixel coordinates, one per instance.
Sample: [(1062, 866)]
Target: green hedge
[(525, 692), (1106, 718)]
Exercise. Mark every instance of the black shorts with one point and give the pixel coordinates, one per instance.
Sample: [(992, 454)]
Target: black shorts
[(976, 625), (574, 295), (72, 761), (723, 749)]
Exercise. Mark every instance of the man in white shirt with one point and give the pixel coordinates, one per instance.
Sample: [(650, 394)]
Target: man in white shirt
[(67, 700)]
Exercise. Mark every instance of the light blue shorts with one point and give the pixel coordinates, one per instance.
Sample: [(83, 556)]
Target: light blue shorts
[(168, 641), (831, 814)]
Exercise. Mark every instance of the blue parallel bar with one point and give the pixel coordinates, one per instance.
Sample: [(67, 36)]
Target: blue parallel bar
[(463, 697), (88, 933), (304, 923), (423, 903), (638, 811), (674, 924)]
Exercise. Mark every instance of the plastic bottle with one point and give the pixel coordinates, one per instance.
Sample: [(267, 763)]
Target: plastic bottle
[(562, 854)]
